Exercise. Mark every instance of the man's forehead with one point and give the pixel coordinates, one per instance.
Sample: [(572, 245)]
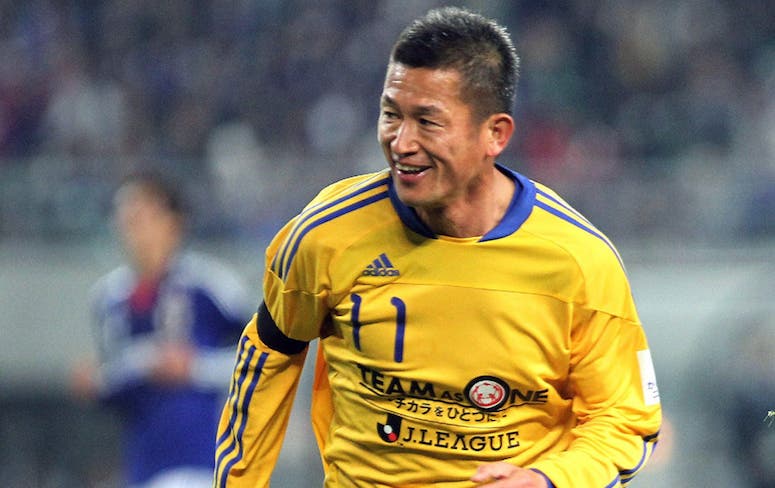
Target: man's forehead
[(399, 70), (427, 86)]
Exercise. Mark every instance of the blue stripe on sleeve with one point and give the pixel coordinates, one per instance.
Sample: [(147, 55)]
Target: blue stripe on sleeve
[(362, 203), (243, 410), (234, 390), (629, 474), (296, 234), (549, 483), (562, 204), (234, 399), (613, 483), (578, 224)]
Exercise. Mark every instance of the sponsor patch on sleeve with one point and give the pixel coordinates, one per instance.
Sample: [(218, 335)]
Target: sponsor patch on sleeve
[(648, 378)]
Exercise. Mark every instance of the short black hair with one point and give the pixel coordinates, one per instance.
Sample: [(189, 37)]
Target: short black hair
[(158, 186), (478, 48)]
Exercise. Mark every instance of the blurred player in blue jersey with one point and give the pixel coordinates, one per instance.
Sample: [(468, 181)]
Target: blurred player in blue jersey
[(167, 325), (474, 329)]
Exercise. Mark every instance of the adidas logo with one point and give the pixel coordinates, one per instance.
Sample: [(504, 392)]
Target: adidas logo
[(381, 267)]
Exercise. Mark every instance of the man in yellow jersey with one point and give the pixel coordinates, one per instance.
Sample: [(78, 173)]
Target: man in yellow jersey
[(474, 329)]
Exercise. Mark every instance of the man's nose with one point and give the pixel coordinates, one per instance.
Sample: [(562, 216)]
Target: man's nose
[(405, 140)]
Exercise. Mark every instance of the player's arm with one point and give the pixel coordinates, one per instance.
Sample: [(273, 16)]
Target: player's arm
[(269, 363), (615, 401), (256, 414)]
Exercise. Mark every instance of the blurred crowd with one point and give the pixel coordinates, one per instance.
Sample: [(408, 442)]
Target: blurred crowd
[(655, 118)]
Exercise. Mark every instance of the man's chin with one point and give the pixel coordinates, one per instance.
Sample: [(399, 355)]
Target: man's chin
[(411, 199)]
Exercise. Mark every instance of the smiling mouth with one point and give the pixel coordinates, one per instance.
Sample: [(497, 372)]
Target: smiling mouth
[(410, 170)]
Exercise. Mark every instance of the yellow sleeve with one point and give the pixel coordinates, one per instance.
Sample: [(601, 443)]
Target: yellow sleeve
[(322, 405), (296, 281), (270, 360), (256, 413), (615, 401)]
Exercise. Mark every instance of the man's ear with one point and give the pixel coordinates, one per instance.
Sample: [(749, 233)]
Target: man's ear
[(500, 128)]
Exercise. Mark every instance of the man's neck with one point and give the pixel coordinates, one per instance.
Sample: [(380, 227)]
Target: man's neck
[(474, 216)]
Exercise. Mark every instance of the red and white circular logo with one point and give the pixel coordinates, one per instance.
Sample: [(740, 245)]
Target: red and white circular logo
[(487, 392)]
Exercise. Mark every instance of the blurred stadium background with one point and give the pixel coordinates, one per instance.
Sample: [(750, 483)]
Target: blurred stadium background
[(655, 118)]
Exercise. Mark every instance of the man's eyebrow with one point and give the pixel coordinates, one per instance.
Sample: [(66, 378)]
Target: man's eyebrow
[(386, 100), (420, 110)]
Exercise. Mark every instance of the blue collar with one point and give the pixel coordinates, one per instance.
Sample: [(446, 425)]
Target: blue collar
[(519, 209)]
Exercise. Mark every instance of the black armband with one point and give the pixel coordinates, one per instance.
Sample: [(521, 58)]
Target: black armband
[(271, 335)]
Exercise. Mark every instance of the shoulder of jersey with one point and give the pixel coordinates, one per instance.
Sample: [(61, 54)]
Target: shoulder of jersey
[(339, 213), (343, 198), (556, 221), (348, 189)]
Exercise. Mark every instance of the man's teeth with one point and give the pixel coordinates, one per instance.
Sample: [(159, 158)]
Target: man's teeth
[(408, 169)]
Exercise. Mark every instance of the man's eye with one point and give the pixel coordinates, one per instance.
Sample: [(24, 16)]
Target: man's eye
[(424, 121), (387, 114)]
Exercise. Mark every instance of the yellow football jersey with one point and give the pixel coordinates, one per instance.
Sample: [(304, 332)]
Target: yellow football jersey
[(438, 354)]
